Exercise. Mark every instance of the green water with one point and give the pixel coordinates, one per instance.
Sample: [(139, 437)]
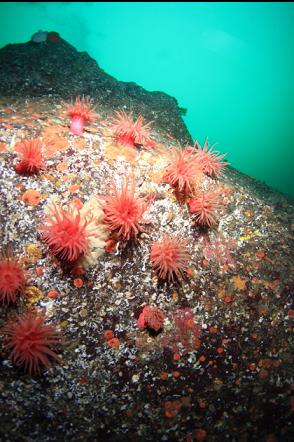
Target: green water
[(230, 64)]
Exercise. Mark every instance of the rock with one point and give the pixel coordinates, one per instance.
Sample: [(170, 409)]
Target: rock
[(58, 69)]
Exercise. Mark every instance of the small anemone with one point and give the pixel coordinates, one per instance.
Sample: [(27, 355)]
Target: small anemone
[(12, 277), (30, 342), (67, 233), (30, 151), (169, 257), (130, 132), (204, 206), (183, 172), (123, 211), (80, 112), (210, 161), (151, 317)]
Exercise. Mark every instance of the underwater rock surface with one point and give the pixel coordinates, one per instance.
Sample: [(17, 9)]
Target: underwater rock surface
[(220, 367), (57, 68)]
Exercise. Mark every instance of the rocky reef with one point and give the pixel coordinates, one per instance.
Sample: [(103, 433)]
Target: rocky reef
[(156, 283)]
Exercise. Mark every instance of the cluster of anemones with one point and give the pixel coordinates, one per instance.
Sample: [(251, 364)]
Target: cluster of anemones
[(126, 130), (123, 213), (27, 337), (169, 256), (184, 173), (68, 232), (81, 111)]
